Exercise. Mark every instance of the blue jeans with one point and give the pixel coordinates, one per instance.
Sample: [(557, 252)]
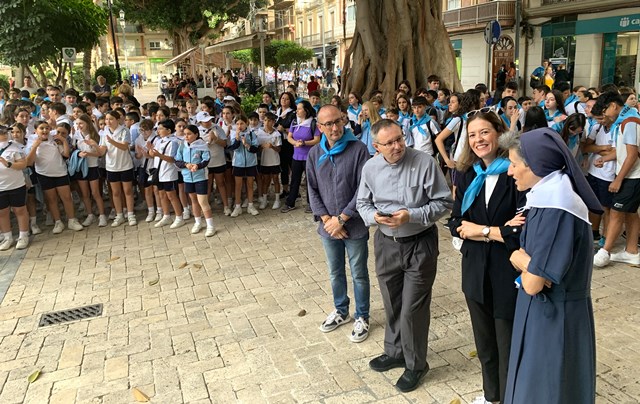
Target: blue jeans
[(358, 252)]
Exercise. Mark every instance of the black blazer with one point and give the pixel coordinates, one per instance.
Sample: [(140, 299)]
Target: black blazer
[(487, 274)]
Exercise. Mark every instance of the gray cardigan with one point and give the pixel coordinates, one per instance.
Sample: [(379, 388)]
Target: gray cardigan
[(333, 186)]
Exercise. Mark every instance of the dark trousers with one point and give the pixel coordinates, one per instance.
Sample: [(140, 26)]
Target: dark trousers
[(298, 167), (493, 343), (286, 156), (406, 272)]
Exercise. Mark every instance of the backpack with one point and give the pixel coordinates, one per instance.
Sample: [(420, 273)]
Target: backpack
[(637, 122)]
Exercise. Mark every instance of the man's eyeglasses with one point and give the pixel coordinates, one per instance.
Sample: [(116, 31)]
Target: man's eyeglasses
[(399, 140), (329, 125)]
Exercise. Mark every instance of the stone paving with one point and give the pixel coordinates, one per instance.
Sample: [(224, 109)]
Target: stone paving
[(222, 324), (193, 320)]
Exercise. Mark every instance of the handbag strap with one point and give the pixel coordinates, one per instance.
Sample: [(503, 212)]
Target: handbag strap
[(161, 160)]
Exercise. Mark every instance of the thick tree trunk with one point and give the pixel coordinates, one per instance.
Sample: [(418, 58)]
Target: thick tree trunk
[(86, 69), (398, 40)]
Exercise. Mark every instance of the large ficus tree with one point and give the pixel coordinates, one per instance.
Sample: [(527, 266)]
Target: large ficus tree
[(397, 40), (35, 31)]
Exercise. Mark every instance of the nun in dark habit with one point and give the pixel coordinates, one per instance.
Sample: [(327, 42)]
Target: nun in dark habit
[(553, 350)]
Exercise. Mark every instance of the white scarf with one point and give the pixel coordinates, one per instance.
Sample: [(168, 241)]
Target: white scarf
[(306, 122), (284, 113), (555, 191)]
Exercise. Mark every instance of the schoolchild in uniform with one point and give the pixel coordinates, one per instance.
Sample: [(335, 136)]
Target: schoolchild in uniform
[(87, 140), (114, 145), (270, 142), (423, 128), (146, 162), (181, 124), (192, 158), (47, 155), (19, 135), (245, 146), (164, 152)]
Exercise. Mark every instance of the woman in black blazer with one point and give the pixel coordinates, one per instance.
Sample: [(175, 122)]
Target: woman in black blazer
[(485, 216), (286, 117)]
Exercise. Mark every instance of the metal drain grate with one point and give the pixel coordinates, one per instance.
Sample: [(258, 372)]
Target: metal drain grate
[(63, 316)]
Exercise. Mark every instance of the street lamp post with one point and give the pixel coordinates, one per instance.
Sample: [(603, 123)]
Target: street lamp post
[(115, 45), (123, 25)]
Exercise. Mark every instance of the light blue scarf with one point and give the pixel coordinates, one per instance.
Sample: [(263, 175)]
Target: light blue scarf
[(354, 111), (402, 116), (498, 166), (417, 124), (338, 147), (572, 98), (625, 112)]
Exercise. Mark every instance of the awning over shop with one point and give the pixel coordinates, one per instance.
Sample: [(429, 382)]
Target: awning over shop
[(180, 57), (244, 42)]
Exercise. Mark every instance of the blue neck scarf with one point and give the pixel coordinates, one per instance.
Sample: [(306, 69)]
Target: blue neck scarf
[(498, 166), (338, 147), (549, 117), (439, 106), (417, 124), (366, 126), (218, 102), (381, 111), (625, 112), (505, 119), (572, 98), (402, 116), (354, 111)]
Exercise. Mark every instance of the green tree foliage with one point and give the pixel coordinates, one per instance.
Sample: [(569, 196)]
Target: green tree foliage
[(294, 55), (186, 20), (243, 56), (35, 31), (109, 74), (279, 53)]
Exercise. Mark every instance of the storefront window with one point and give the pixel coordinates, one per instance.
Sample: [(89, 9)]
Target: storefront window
[(560, 50), (626, 58)]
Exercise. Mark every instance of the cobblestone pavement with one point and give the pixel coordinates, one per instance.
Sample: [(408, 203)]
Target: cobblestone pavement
[(222, 322), (195, 320)]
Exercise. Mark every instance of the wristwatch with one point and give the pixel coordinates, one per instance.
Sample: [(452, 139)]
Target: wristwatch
[(340, 220), (485, 233)]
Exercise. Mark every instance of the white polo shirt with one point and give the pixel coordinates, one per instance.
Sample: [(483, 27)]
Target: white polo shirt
[(49, 161), (117, 160), (10, 178), (169, 147), (215, 150), (268, 156)]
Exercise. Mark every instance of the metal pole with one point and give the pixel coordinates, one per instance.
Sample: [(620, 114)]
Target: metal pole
[(115, 45), (263, 75), (123, 25)]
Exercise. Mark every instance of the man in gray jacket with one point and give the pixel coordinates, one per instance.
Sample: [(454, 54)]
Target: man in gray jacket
[(333, 174), (404, 193)]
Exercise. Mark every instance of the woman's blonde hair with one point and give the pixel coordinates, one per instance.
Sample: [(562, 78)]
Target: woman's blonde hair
[(468, 158), (374, 116), (125, 89)]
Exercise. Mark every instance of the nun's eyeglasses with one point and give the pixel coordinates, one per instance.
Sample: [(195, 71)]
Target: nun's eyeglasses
[(494, 108)]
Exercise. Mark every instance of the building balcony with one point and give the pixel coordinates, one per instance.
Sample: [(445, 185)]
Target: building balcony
[(281, 4), (475, 17), (315, 40), (557, 8)]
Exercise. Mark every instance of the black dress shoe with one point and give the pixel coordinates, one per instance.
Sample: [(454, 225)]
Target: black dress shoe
[(385, 362), (410, 379)]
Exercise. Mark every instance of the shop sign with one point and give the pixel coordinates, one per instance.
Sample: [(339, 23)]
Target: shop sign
[(609, 24)]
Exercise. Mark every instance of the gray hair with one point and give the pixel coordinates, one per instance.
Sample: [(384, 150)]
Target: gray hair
[(383, 124), (511, 141)]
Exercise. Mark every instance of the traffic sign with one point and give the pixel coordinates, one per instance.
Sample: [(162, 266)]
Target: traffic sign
[(69, 55), (492, 32)]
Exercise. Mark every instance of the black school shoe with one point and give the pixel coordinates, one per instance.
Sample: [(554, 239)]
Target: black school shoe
[(385, 362), (410, 379)]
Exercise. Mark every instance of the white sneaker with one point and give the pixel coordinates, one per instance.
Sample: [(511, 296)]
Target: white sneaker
[(35, 229), (150, 217), (252, 209), (480, 400), (165, 221), (602, 258), (58, 227), (74, 224), (196, 228), (178, 222), (23, 242), (117, 221), (237, 211), (186, 214), (624, 256), (263, 203), (159, 217), (245, 203), (89, 220), (132, 220), (227, 211), (276, 204), (360, 330), (102, 221), (6, 244), (112, 214), (210, 231)]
